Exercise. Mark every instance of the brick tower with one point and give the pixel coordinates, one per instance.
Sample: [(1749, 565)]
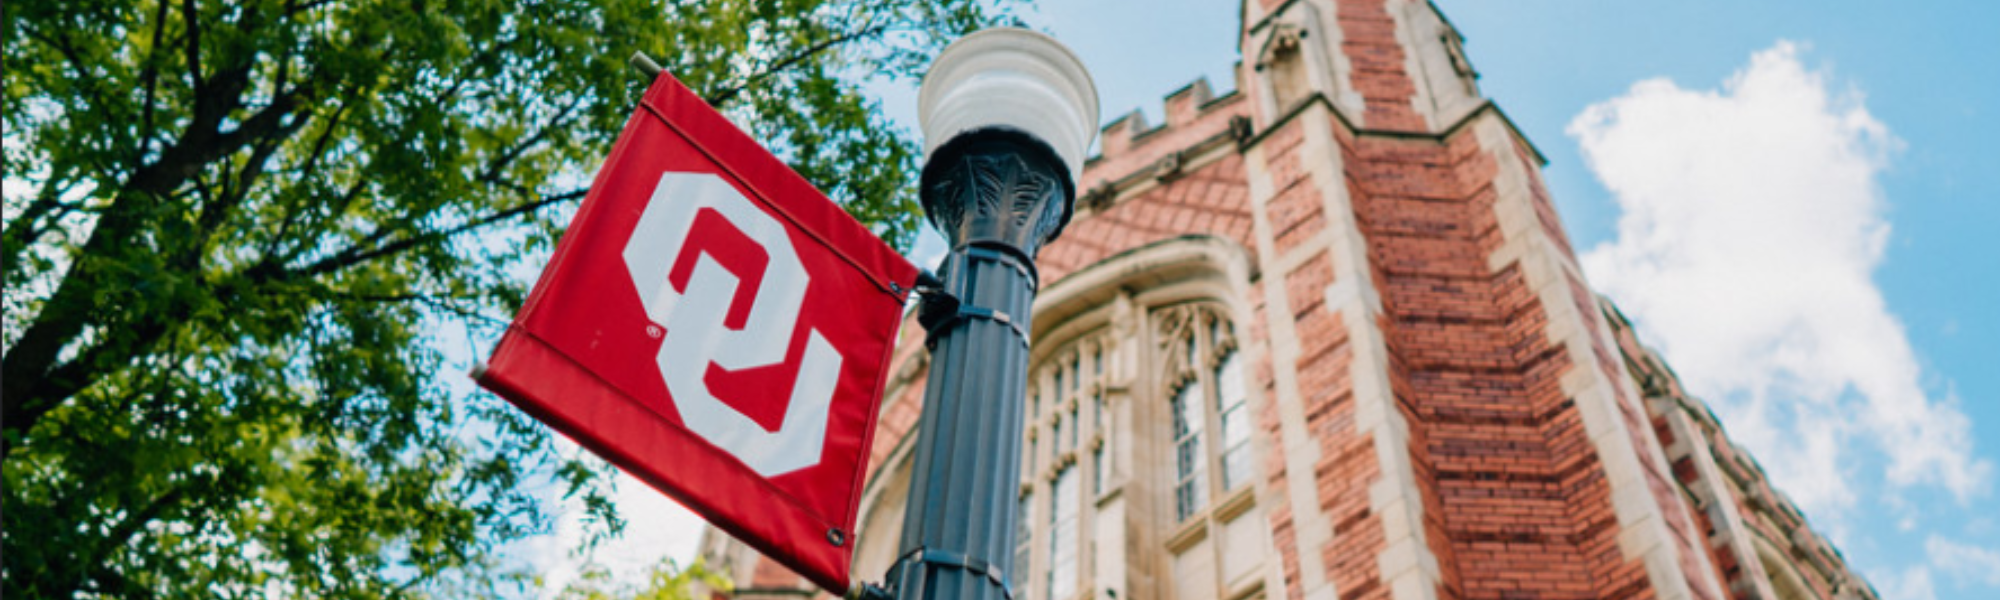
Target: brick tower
[(1323, 337)]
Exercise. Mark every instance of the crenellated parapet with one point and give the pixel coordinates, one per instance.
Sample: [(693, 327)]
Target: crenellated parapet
[(1761, 543), (1134, 153)]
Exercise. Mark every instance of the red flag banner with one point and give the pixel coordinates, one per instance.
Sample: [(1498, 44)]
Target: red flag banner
[(715, 326)]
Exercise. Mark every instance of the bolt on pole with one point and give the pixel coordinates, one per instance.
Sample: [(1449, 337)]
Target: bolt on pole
[(1007, 115)]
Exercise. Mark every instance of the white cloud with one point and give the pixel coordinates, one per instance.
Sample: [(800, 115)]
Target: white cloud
[(1913, 583), (1752, 221), (1966, 562)]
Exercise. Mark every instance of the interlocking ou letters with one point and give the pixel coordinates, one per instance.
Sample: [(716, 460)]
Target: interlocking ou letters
[(715, 326)]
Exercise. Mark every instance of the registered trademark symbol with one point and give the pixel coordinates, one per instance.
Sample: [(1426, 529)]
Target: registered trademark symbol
[(653, 331)]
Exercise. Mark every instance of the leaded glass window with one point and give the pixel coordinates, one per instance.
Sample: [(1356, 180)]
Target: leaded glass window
[(1063, 535), (1075, 427), (1034, 459), (1100, 472), (1190, 489), (1024, 536), (1207, 405), (1234, 415)]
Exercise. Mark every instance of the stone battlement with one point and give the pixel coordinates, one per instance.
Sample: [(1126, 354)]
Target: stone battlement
[(1130, 149)]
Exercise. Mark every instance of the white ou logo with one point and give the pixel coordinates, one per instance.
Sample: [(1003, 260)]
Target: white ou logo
[(696, 335)]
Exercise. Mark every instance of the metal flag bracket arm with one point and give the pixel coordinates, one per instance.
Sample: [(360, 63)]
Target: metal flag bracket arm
[(938, 311), (645, 64)]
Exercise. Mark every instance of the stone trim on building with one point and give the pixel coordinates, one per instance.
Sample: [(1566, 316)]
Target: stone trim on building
[(1443, 409)]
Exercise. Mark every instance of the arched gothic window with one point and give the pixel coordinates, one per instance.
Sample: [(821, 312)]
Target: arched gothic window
[(1207, 406), (1216, 536), (1066, 435)]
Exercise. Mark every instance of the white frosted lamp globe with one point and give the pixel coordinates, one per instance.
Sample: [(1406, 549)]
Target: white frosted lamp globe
[(1009, 78)]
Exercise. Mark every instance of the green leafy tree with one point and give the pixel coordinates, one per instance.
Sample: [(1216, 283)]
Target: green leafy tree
[(666, 581), (232, 230)]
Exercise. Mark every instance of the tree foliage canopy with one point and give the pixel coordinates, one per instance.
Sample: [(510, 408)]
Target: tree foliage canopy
[(232, 229), (665, 581)]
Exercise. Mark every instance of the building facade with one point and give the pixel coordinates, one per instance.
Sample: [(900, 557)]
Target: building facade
[(1324, 338)]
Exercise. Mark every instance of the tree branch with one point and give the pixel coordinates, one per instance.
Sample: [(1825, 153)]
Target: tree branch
[(212, 215), (361, 180), (22, 231), (357, 254), (432, 301), (307, 171), (131, 524), (31, 380), (37, 398), (110, 583), (150, 77), (191, 19), (90, 83), (508, 156), (724, 96)]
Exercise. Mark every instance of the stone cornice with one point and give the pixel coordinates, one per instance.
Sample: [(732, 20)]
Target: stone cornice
[(1320, 99)]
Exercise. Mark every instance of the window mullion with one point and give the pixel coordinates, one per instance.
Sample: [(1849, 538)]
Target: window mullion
[(1211, 399)]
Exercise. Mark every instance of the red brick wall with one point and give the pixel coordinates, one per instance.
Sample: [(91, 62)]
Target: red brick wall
[(1368, 38), (1347, 465), (1296, 208), (1517, 504), (1284, 528), (1210, 200), (1687, 538)]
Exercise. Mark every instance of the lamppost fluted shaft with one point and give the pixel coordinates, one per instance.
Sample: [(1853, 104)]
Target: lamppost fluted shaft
[(1007, 114)]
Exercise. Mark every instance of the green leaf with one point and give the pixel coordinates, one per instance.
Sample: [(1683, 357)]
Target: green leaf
[(234, 230)]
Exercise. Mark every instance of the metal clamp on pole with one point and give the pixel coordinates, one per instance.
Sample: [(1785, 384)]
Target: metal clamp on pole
[(938, 314), (1007, 257), (954, 560), (868, 591), (938, 311)]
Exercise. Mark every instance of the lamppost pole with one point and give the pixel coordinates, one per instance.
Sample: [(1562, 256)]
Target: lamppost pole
[(1007, 115)]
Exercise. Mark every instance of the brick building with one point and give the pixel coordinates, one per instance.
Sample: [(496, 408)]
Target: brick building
[(1323, 337)]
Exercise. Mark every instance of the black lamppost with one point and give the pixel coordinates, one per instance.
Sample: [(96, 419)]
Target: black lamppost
[(1007, 115)]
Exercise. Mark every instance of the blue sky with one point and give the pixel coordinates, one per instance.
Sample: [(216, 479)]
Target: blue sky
[(1923, 78), (1888, 214), (1792, 200)]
